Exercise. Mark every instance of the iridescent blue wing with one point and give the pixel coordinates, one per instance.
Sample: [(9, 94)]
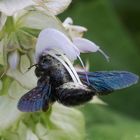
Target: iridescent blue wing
[(36, 99), (105, 82)]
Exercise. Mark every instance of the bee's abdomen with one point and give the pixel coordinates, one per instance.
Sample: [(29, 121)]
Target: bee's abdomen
[(70, 94)]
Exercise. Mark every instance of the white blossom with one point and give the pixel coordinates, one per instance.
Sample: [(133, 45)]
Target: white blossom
[(76, 33), (73, 30), (52, 39), (53, 6)]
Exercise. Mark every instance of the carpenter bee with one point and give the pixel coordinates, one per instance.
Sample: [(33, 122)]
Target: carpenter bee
[(56, 84)]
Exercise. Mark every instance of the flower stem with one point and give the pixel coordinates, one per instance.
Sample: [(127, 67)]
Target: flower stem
[(6, 82)]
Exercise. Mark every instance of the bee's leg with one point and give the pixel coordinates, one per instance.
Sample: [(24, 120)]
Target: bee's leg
[(71, 94)]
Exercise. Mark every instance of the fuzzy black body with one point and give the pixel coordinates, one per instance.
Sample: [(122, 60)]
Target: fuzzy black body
[(71, 94), (65, 91), (49, 66)]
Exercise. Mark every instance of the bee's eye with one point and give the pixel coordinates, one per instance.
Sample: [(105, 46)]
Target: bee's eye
[(44, 60)]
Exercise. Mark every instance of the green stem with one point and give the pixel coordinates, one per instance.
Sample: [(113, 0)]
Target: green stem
[(46, 119), (6, 82), (9, 25)]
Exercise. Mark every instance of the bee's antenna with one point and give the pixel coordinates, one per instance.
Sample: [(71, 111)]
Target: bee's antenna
[(31, 67)]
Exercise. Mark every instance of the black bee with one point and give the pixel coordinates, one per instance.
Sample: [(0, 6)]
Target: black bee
[(56, 84)]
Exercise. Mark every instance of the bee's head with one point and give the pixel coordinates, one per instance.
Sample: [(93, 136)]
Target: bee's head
[(45, 62)]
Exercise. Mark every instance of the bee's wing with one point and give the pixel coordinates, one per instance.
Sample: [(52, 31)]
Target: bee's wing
[(105, 82), (36, 99)]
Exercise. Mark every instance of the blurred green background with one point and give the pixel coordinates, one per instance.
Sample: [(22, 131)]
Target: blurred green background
[(115, 26)]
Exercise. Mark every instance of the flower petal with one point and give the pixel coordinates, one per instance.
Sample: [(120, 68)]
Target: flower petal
[(26, 79), (31, 135), (13, 59), (85, 45), (8, 111), (52, 39), (79, 29), (74, 30), (39, 20), (56, 7), (12, 6), (8, 106), (68, 20)]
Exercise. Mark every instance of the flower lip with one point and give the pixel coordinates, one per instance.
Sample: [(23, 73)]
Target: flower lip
[(52, 39), (84, 45)]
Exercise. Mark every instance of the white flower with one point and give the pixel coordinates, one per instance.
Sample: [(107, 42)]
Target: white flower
[(73, 30), (76, 33), (52, 39), (53, 6)]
